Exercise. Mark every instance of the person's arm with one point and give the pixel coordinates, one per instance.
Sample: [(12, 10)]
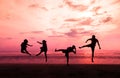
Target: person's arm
[(29, 45), (39, 42), (87, 40), (98, 44)]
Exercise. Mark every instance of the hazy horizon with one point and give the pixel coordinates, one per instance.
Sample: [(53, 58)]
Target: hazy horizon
[(84, 51), (83, 57)]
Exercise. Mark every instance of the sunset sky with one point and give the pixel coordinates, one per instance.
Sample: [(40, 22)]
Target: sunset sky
[(61, 23)]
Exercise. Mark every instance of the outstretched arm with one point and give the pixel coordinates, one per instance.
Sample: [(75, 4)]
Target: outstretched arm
[(98, 44), (39, 42), (29, 45), (87, 40)]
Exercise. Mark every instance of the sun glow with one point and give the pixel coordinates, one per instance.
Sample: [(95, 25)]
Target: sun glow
[(86, 14), (56, 20)]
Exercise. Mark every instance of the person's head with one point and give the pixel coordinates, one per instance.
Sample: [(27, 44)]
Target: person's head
[(44, 41), (73, 46), (25, 40), (93, 36)]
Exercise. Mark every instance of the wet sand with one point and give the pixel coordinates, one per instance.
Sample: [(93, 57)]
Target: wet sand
[(59, 71)]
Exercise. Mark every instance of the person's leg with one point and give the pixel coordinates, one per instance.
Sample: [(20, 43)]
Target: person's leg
[(92, 48), (56, 50), (41, 50), (39, 53), (67, 57), (85, 46), (22, 51), (45, 55), (27, 52)]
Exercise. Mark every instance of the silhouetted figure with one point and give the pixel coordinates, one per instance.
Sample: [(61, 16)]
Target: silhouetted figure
[(92, 45), (67, 51), (43, 48), (24, 45)]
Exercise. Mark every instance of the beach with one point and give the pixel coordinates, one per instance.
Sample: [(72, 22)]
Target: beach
[(80, 66), (59, 71)]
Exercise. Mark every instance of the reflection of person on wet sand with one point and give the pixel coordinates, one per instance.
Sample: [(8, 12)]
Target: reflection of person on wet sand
[(67, 51), (92, 45), (43, 48), (24, 45)]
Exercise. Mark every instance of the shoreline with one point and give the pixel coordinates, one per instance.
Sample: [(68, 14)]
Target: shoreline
[(59, 70)]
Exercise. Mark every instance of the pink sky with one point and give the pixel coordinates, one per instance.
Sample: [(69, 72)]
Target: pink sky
[(60, 22)]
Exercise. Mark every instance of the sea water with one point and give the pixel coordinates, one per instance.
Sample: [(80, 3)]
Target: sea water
[(81, 57)]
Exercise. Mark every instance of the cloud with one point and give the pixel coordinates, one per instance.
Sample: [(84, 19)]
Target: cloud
[(37, 6), (6, 38), (107, 19), (34, 6), (37, 32), (80, 21), (93, 1), (78, 32), (56, 36), (85, 21), (5, 16), (32, 38), (8, 15), (72, 33), (96, 9), (87, 33), (33, 32), (116, 2), (44, 8), (79, 7), (72, 20), (23, 33)]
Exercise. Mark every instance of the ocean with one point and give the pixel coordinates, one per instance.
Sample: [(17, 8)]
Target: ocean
[(81, 57)]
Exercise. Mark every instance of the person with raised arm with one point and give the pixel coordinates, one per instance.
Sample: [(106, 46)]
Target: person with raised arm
[(43, 48), (24, 45), (92, 45), (67, 51)]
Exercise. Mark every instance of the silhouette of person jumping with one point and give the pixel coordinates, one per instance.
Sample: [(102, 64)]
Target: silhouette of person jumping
[(43, 49), (67, 51), (92, 45), (24, 45)]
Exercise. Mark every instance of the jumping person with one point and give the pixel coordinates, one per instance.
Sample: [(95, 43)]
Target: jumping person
[(92, 45), (43, 48), (67, 51), (24, 45)]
